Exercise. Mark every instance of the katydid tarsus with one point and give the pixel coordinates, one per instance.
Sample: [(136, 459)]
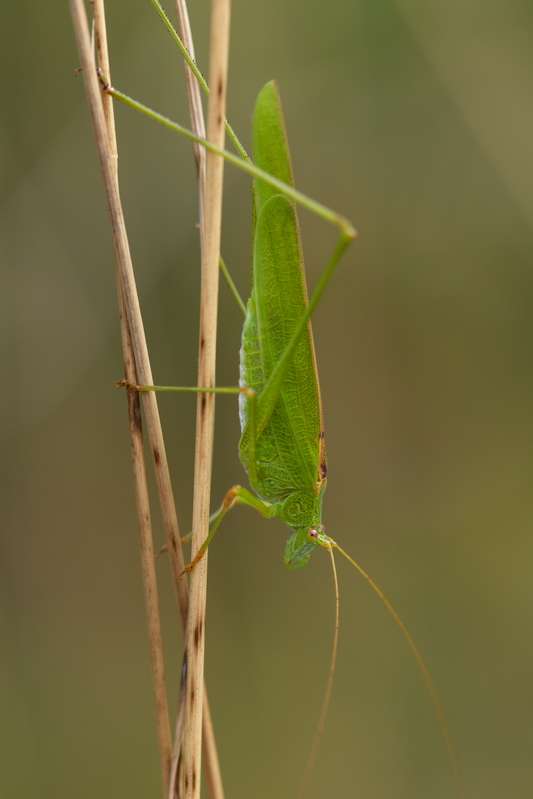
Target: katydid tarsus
[(282, 435)]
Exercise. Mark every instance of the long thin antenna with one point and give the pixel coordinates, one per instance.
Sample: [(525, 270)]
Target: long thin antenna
[(329, 686), (449, 745)]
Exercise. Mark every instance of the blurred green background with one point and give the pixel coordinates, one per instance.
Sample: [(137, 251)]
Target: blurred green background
[(415, 120)]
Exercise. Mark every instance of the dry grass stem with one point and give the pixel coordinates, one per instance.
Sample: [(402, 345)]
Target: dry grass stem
[(148, 572), (137, 360), (218, 65), (137, 449), (209, 749), (131, 304), (100, 31)]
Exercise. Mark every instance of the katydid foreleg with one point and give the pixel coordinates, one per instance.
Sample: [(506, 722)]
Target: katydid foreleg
[(235, 496)]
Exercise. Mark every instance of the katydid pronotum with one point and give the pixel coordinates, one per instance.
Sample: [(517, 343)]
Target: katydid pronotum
[(282, 435)]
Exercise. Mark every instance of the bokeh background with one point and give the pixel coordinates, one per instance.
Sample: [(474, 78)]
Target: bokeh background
[(415, 120)]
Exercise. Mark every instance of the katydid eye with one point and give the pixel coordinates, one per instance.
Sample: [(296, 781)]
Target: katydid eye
[(320, 528), (313, 533)]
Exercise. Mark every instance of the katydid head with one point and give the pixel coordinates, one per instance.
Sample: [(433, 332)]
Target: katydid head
[(318, 535), (302, 543)]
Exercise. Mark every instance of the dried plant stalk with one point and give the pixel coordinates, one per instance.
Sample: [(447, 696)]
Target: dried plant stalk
[(137, 449), (218, 66), (130, 310), (209, 749), (131, 304)]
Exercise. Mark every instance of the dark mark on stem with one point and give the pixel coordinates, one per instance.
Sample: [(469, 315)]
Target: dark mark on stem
[(136, 408), (184, 669), (198, 633)]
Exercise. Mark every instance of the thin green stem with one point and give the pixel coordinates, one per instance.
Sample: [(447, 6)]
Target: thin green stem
[(348, 232)]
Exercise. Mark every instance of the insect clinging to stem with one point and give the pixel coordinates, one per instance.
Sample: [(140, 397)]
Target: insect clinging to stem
[(282, 443), (282, 434)]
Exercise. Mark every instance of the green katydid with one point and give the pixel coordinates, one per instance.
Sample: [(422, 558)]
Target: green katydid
[(282, 434)]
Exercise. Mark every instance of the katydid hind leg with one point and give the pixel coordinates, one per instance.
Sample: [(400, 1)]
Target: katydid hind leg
[(273, 386), (276, 235)]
